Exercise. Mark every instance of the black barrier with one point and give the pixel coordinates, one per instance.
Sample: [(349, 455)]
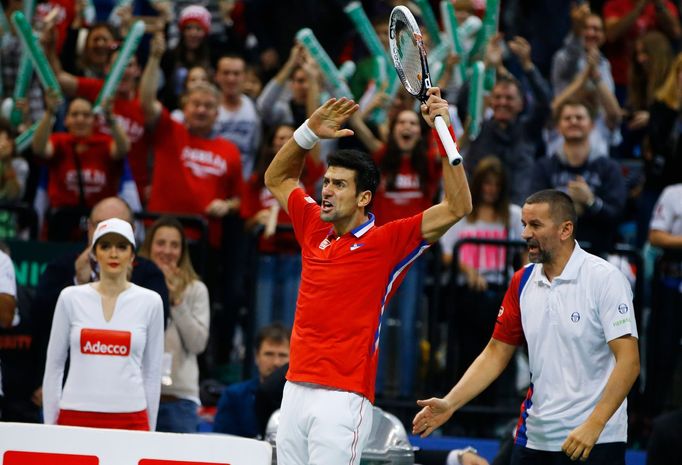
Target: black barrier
[(25, 217)]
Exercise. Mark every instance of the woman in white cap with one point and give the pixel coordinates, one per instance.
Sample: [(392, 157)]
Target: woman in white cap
[(112, 332)]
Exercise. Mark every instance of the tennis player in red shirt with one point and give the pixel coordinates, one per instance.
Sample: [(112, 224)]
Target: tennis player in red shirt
[(351, 268)]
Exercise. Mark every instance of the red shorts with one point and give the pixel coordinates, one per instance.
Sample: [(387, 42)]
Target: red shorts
[(131, 421)]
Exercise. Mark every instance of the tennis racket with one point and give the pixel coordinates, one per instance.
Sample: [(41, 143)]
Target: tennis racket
[(409, 60)]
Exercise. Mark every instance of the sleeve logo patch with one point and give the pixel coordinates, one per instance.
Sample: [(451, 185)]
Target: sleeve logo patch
[(622, 309)]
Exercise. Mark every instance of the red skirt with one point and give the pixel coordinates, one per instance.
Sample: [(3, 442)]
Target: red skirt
[(132, 421)]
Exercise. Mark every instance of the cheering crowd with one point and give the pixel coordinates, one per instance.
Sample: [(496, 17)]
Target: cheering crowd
[(183, 163)]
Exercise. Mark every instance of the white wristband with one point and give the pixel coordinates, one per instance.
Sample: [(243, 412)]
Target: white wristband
[(305, 137)]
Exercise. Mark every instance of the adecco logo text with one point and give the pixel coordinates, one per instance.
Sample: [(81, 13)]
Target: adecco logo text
[(105, 342)]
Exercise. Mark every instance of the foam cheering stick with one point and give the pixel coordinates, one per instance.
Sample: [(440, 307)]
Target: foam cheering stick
[(447, 11), (21, 87), (369, 36), (429, 21), (124, 55), (331, 73), (29, 10), (347, 69), (36, 53), (489, 28), (23, 140), (89, 13), (475, 103)]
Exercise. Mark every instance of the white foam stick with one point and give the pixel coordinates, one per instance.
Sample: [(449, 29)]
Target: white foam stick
[(271, 225)]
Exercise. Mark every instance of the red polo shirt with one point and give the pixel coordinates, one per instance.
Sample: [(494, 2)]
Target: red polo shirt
[(346, 283)]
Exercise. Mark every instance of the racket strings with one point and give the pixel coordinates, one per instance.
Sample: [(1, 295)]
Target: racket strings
[(410, 58)]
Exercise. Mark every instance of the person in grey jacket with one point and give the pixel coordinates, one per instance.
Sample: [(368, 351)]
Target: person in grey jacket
[(188, 330)]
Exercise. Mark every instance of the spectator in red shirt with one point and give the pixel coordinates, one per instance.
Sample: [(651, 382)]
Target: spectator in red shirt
[(194, 173), (84, 167), (625, 21), (126, 108)]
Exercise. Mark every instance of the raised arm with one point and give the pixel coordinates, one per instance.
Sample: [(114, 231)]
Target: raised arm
[(284, 172), (149, 83), (615, 28), (67, 81), (121, 144), (456, 202), (41, 144)]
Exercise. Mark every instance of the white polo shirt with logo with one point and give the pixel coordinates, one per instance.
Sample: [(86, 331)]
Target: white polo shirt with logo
[(567, 324), (115, 365)]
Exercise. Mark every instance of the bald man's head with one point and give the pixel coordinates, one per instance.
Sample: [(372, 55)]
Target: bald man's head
[(110, 207)]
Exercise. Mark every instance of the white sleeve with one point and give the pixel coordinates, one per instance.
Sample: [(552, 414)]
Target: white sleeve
[(662, 217), (515, 226), (153, 359), (57, 352), (8, 283), (450, 238), (615, 307)]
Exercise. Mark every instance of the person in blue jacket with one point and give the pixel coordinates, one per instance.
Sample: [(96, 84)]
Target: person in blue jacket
[(236, 412), (594, 182)]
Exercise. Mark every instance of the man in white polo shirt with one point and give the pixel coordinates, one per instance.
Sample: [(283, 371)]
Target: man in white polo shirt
[(574, 310)]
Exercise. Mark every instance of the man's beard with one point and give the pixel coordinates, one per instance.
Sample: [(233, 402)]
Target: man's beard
[(540, 256)]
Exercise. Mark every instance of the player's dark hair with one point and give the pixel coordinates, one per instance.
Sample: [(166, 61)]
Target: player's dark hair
[(275, 332), (560, 205), (366, 171)]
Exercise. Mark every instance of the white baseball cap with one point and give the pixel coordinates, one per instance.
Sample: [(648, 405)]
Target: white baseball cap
[(114, 226)]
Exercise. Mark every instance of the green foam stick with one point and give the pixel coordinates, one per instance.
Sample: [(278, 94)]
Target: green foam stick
[(438, 53), (475, 104), (23, 140), (36, 53), (331, 73), (370, 39), (429, 21), (447, 11), (29, 10), (89, 13), (125, 54), (488, 29), (21, 86), (347, 69)]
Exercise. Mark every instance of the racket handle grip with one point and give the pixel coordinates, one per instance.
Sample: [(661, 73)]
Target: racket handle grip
[(446, 138)]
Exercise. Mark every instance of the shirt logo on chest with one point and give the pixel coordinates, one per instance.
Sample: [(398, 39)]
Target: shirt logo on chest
[(356, 246), (105, 342), (325, 243), (575, 317)]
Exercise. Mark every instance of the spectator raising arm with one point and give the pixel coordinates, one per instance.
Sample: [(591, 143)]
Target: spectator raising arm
[(121, 144), (149, 84), (41, 144)]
